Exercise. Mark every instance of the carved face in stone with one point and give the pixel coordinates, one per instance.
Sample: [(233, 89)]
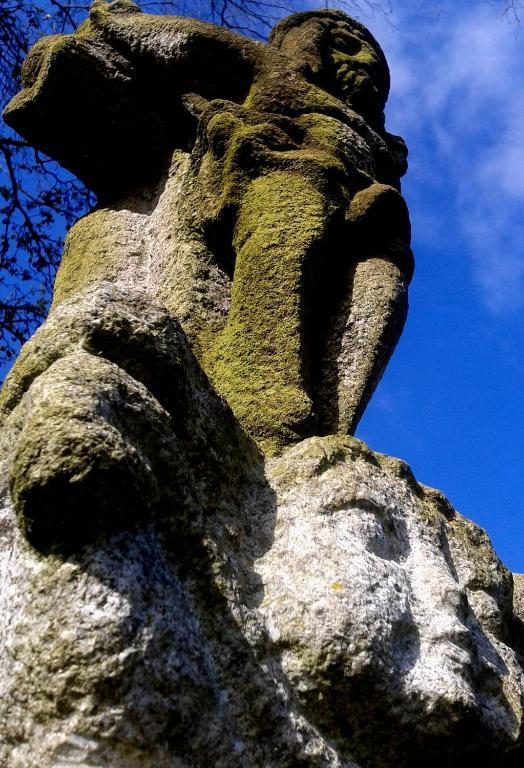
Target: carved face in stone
[(337, 53), (365, 605), (356, 68)]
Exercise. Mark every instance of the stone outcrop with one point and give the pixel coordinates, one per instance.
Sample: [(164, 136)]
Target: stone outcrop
[(317, 609), (198, 565)]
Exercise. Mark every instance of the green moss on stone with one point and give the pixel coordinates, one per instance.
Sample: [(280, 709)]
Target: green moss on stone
[(87, 259), (259, 358)]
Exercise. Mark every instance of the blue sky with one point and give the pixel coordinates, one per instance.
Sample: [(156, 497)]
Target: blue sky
[(451, 401)]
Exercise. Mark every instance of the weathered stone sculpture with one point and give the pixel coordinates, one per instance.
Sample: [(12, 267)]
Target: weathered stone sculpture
[(169, 596), (277, 236)]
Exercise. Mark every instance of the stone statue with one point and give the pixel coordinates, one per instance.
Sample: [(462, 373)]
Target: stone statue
[(171, 595), (252, 188)]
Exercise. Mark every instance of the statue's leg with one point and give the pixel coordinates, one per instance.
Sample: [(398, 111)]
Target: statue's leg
[(361, 338), (260, 358)]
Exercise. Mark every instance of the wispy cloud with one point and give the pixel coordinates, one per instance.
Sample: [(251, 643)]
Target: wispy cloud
[(457, 97)]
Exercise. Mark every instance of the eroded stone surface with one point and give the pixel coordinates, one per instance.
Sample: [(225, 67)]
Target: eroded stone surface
[(393, 615), (319, 609), (258, 198), (168, 596)]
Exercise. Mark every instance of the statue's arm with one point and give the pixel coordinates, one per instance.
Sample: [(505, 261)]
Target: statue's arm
[(373, 320), (380, 221), (193, 55)]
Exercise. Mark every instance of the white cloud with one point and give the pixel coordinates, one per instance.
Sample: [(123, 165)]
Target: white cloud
[(457, 98)]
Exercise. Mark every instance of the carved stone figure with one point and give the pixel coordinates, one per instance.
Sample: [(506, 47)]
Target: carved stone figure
[(169, 595), (251, 187)]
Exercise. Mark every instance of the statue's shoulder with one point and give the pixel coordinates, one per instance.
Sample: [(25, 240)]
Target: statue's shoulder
[(166, 35)]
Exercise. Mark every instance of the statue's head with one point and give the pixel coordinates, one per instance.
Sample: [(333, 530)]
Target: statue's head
[(340, 55)]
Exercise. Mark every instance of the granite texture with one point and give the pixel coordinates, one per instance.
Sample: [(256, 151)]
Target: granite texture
[(199, 566)]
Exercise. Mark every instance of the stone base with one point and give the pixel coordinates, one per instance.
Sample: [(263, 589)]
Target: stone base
[(319, 609)]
